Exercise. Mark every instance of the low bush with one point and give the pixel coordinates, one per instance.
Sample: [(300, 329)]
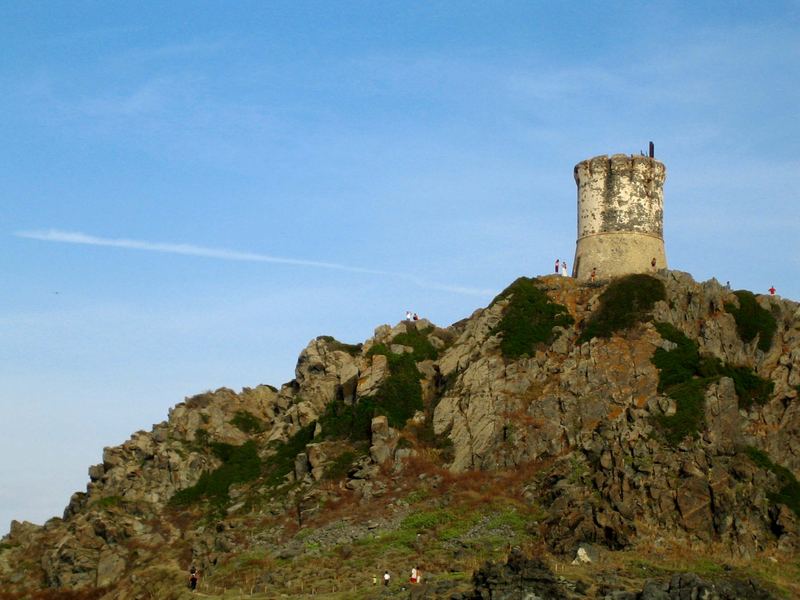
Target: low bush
[(334, 344), (752, 320), (247, 422), (398, 398), (750, 387), (684, 374), (282, 462), (625, 302), (789, 492), (339, 467), (679, 364), (689, 417), (109, 502), (239, 464), (529, 318), (418, 340)]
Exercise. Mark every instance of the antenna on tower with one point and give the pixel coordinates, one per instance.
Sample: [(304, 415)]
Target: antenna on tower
[(652, 150)]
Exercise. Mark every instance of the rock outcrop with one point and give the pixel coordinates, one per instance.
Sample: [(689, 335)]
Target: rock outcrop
[(625, 457)]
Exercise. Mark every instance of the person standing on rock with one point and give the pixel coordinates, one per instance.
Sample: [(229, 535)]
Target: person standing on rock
[(563, 268), (557, 266)]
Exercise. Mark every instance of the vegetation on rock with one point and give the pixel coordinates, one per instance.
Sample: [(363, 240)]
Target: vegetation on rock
[(239, 464), (625, 302), (247, 422), (789, 492), (684, 374), (418, 340), (282, 462), (334, 344), (752, 320), (529, 318), (398, 398)]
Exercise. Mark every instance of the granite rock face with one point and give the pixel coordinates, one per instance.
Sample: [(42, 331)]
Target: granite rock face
[(589, 410)]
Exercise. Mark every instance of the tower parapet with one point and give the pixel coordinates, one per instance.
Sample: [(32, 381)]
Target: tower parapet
[(620, 216)]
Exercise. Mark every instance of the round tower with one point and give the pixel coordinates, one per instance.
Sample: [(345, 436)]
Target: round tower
[(620, 216)]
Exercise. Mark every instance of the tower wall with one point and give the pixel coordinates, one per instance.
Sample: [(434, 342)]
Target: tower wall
[(620, 216)]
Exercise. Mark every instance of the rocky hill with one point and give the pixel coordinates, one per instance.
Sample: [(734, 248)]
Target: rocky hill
[(649, 425)]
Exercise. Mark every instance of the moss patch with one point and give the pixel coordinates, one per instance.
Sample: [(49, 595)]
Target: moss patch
[(789, 492), (752, 320), (529, 318), (625, 302)]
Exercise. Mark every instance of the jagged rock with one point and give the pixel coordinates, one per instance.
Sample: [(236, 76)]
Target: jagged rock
[(384, 440), (590, 415), (520, 577)]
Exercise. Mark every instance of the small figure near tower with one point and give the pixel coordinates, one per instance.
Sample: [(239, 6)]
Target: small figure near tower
[(620, 216)]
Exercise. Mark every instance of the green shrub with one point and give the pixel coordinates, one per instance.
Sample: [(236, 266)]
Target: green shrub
[(239, 464), (282, 462), (398, 398), (201, 438), (334, 344), (529, 318), (247, 422), (752, 320), (418, 340), (684, 373), (379, 349), (427, 521), (689, 417), (789, 492), (339, 467), (679, 364), (750, 388), (625, 302), (109, 502)]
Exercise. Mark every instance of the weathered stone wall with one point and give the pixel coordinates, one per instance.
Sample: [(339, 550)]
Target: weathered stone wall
[(620, 216)]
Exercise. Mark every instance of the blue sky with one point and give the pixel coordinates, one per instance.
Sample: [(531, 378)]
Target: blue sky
[(158, 157)]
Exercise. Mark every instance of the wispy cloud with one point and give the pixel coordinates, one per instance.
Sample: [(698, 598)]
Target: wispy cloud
[(76, 237)]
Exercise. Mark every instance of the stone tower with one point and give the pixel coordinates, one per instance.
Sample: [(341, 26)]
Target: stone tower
[(620, 216)]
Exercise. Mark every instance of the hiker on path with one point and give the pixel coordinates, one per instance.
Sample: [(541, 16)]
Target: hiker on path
[(563, 268), (193, 577), (386, 578), (414, 575), (556, 266)]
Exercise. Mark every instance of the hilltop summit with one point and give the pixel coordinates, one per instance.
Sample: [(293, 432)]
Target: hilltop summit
[(649, 420)]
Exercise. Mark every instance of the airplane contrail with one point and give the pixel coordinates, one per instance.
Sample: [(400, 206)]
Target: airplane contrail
[(76, 237)]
